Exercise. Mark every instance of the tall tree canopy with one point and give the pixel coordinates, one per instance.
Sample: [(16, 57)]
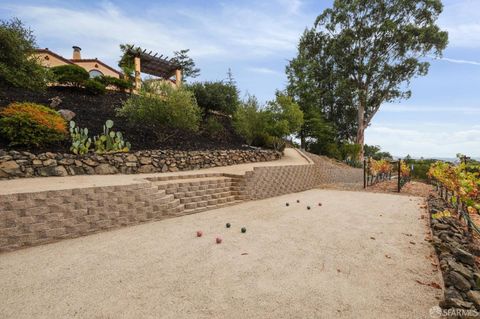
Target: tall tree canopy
[(362, 53), (189, 69), (18, 66)]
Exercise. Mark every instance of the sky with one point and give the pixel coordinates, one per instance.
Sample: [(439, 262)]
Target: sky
[(256, 39)]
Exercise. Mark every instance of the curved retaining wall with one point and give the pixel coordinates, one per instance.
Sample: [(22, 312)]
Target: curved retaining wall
[(15, 164), (28, 219), (270, 181)]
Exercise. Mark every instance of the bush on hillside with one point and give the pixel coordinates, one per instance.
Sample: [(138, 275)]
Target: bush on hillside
[(18, 68), (94, 87), (70, 74), (284, 116), (31, 124), (270, 126), (120, 84), (213, 127), (249, 121), (216, 96), (164, 111)]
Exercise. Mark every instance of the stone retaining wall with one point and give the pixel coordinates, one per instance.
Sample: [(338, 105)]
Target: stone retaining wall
[(15, 164), (457, 253)]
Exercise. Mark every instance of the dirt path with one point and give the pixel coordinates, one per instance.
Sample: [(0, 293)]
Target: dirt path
[(360, 255)]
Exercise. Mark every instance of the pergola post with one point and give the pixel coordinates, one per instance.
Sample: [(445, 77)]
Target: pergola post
[(154, 65), (178, 77), (138, 79)]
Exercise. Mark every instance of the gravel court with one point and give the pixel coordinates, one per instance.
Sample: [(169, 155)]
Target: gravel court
[(358, 255)]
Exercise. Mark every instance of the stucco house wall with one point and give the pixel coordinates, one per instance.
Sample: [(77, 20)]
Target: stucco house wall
[(50, 59), (92, 64)]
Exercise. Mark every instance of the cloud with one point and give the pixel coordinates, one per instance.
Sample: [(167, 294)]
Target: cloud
[(292, 6), (221, 32), (402, 108), (461, 20), (439, 140), (102, 29), (251, 30), (457, 61), (262, 70)]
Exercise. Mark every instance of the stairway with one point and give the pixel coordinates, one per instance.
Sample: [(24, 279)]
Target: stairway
[(194, 193)]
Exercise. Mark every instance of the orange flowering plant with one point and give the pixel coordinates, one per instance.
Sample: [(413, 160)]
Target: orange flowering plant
[(31, 124)]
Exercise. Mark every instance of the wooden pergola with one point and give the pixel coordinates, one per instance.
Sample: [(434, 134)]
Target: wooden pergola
[(160, 66)]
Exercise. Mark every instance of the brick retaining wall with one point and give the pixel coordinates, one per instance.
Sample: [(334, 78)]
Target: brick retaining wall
[(28, 219), (36, 218), (272, 181)]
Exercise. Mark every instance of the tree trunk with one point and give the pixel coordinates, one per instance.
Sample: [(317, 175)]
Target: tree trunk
[(302, 139), (361, 130)]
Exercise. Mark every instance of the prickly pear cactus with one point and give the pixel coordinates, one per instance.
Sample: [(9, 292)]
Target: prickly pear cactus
[(80, 140), (110, 141)]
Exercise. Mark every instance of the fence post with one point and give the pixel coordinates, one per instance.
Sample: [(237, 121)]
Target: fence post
[(364, 173), (399, 171)]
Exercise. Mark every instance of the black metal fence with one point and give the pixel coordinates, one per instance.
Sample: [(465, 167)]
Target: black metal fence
[(395, 173)]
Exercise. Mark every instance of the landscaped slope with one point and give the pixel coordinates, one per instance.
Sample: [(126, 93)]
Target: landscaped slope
[(93, 110)]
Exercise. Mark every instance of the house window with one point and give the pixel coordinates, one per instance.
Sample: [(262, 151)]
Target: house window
[(95, 73)]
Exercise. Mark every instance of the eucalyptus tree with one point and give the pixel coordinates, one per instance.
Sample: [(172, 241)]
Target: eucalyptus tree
[(363, 53)]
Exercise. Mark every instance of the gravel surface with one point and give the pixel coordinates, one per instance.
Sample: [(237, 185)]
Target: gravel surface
[(359, 255), (413, 188)]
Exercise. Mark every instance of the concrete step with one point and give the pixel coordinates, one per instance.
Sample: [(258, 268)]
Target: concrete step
[(209, 207), (204, 192), (210, 202), (191, 182), (164, 199), (194, 188), (167, 205), (183, 176), (192, 193), (205, 197)]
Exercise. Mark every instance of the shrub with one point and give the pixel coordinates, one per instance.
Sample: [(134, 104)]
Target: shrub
[(31, 124), (120, 84), (213, 127), (94, 87), (70, 75), (17, 66), (216, 96), (270, 126), (284, 116), (276, 143), (350, 153), (164, 111), (249, 121)]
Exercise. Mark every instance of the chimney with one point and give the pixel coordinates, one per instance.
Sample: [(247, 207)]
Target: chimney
[(76, 53)]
